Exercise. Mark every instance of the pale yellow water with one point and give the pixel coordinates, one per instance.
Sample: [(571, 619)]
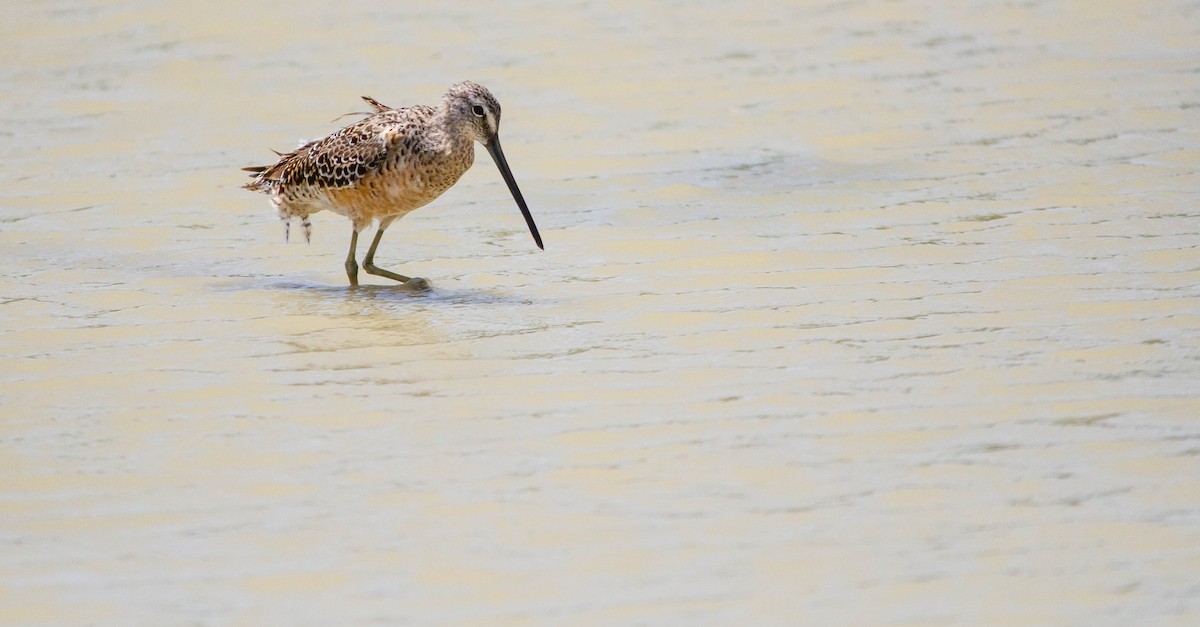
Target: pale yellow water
[(868, 312)]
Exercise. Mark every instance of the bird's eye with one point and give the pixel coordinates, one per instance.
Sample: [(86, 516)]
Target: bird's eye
[(477, 110)]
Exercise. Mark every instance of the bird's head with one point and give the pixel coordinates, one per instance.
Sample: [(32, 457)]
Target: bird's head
[(475, 109)]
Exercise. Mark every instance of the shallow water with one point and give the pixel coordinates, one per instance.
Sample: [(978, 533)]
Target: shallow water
[(850, 313)]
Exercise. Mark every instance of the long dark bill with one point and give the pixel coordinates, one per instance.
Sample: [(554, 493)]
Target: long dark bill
[(493, 148)]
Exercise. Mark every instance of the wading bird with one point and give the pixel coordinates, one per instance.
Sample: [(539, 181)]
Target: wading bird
[(386, 165)]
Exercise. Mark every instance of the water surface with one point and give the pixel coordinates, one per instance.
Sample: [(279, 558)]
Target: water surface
[(850, 313)]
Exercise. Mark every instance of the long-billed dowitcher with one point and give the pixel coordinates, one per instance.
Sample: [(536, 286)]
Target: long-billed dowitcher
[(386, 165)]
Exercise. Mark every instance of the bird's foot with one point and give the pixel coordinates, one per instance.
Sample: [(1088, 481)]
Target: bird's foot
[(417, 284)]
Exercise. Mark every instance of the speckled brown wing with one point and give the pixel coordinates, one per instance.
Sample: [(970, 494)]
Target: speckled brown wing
[(336, 161)]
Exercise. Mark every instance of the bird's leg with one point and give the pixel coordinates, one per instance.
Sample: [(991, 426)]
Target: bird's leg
[(370, 267), (351, 266), (369, 261)]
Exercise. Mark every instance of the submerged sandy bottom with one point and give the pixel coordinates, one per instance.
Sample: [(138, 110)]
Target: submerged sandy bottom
[(849, 313)]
